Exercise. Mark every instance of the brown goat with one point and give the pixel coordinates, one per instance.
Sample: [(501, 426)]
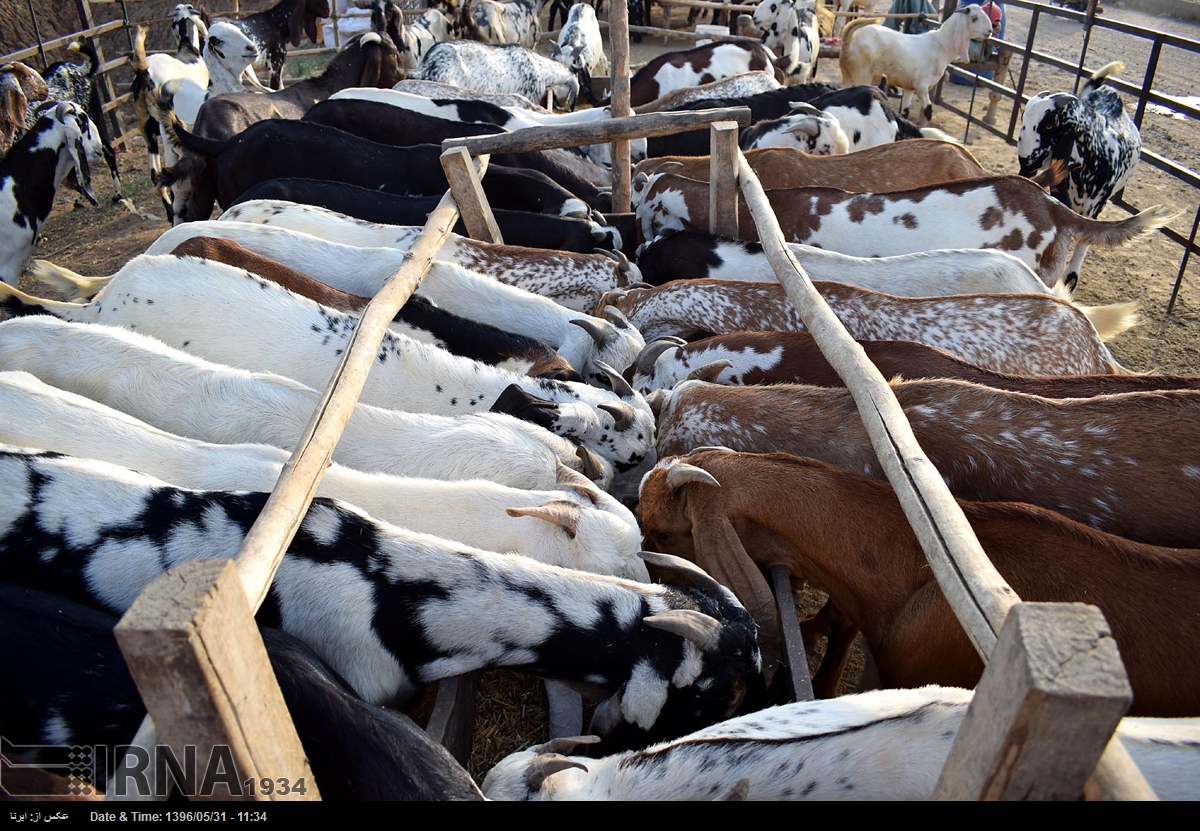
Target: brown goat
[(1026, 334), (19, 86), (750, 358), (1121, 463), (846, 534)]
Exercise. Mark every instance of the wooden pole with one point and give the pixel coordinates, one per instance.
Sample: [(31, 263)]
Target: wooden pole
[(468, 193), (979, 596), (618, 36), (723, 180), (104, 90), (798, 679)]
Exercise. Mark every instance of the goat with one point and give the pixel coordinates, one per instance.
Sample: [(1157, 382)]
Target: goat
[(69, 681), (279, 148), (876, 573), (418, 318), (792, 29), (755, 358), (1100, 461), (180, 393), (699, 65), (568, 277), (881, 745), (881, 169), (440, 91), (690, 256), (912, 62), (1010, 213), (499, 69), (407, 374), (420, 34), (285, 22), (514, 22), (1092, 135), (31, 171), (580, 45), (403, 216), (21, 87), (579, 526), (389, 609), (748, 83), (809, 131), (1024, 334)]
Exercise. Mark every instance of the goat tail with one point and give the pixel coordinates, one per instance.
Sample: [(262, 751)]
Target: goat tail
[(1100, 76), (1099, 232), (844, 61), (137, 58), (16, 303), (935, 133), (1053, 175), (75, 287), (1111, 320)]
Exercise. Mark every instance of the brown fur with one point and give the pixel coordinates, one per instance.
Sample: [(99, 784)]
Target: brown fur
[(813, 519), (21, 85)]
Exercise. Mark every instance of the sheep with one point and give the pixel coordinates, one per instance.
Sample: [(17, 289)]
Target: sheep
[(182, 394), (575, 280), (499, 69), (68, 680), (700, 65), (21, 87), (912, 62), (750, 358), (687, 255), (881, 745), (881, 169), (792, 29), (60, 141), (1022, 334), (584, 341), (514, 22), (748, 83), (272, 30), (195, 304), (580, 45), (1092, 135), (1006, 212), (1100, 461), (578, 525), (809, 516), (388, 609)]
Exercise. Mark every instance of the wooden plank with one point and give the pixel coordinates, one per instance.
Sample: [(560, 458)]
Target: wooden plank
[(597, 132), (452, 723), (104, 91), (51, 45), (722, 177), (1049, 700), (121, 785), (708, 4), (566, 710), (679, 33), (465, 184), (798, 680), (618, 35), (193, 648)]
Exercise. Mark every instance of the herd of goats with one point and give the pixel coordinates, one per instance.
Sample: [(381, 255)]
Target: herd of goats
[(578, 452)]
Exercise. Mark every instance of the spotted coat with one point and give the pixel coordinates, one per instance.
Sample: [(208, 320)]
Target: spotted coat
[(499, 69), (748, 83), (791, 28), (512, 22), (1021, 333)]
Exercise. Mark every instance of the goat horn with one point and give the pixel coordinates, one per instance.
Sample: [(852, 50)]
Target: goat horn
[(615, 379), (682, 473), (641, 284), (597, 217), (656, 399), (622, 414), (614, 316), (665, 166), (565, 744), (807, 126), (801, 107), (543, 767), (697, 627), (598, 334), (673, 338), (648, 357), (686, 573), (709, 372), (604, 192), (641, 178), (612, 255), (560, 512), (718, 448), (593, 469)]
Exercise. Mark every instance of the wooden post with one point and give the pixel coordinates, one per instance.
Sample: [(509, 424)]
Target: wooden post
[(722, 179), (452, 722), (104, 90), (798, 679), (468, 193), (618, 36), (1050, 698), (200, 665)]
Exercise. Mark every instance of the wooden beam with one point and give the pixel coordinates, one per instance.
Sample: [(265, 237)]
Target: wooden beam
[(597, 132), (465, 184), (1049, 700), (723, 178), (452, 723), (618, 36), (798, 679), (680, 33), (201, 668)]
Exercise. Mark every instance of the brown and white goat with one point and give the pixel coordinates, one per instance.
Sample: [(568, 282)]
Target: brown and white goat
[(750, 358), (1025, 334), (846, 533), (1121, 463), (1010, 213)]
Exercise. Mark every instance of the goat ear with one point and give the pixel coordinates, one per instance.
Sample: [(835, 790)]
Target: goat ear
[(83, 173), (296, 23), (806, 125), (720, 552), (373, 66), (557, 512), (15, 104)]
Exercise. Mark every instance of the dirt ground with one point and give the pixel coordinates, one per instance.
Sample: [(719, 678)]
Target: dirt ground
[(512, 708)]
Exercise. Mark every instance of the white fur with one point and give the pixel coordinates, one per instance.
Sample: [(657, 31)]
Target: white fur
[(580, 43), (791, 28)]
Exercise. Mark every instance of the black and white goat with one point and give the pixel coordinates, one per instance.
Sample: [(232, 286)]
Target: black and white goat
[(60, 141), (390, 610), (514, 22), (1096, 139), (286, 22), (478, 66), (579, 45), (790, 26)]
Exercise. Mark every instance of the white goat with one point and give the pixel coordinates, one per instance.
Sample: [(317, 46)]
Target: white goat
[(182, 394), (912, 62)]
